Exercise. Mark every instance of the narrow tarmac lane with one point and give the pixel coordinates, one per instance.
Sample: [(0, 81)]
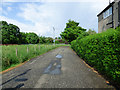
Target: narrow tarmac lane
[(59, 68)]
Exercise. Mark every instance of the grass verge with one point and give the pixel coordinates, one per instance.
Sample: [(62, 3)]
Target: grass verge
[(13, 55)]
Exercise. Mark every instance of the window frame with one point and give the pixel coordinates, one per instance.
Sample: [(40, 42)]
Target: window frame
[(107, 13)]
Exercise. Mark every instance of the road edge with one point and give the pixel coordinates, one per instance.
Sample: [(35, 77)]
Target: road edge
[(107, 82), (11, 68)]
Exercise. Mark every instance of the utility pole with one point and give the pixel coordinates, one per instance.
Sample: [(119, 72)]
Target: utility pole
[(54, 35)]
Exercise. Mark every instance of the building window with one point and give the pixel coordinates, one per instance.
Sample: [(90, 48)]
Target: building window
[(107, 13)]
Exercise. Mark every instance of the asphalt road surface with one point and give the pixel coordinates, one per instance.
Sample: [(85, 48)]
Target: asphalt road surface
[(59, 68)]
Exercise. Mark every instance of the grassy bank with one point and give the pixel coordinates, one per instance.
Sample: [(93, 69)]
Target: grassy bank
[(16, 54), (101, 51)]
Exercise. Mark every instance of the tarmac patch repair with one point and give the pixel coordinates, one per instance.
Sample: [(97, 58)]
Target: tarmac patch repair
[(54, 67)]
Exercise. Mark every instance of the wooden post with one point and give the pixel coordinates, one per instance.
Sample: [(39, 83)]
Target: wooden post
[(16, 52), (27, 49), (35, 48), (39, 47)]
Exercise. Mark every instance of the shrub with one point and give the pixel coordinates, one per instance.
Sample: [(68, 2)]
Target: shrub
[(102, 51)]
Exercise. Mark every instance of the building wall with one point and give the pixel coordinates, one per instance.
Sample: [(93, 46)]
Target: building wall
[(115, 14), (119, 13), (111, 21), (100, 23), (104, 24)]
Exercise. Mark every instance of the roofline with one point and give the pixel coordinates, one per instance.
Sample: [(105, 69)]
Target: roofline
[(106, 8)]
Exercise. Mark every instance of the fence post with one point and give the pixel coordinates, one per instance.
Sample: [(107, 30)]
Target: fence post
[(39, 47), (27, 49), (35, 48), (16, 52)]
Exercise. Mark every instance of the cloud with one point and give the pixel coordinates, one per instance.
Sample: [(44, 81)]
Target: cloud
[(6, 3), (0, 9), (28, 28), (56, 1), (22, 26), (35, 13), (43, 16), (49, 13), (9, 8)]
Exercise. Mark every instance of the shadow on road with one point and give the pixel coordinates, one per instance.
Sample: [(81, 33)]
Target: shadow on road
[(19, 86), (16, 77)]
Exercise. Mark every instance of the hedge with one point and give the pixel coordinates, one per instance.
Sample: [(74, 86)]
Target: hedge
[(101, 51)]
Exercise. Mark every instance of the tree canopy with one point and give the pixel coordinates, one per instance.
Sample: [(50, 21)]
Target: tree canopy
[(32, 38), (91, 32), (45, 40), (72, 31), (10, 33)]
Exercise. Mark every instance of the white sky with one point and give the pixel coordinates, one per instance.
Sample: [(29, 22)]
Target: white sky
[(40, 16)]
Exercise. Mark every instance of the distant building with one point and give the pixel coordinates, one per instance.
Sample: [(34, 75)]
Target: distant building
[(109, 17)]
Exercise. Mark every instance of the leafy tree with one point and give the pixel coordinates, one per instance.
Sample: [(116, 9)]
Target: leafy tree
[(23, 39), (14, 34), (10, 33), (42, 40), (56, 38), (0, 37), (32, 38), (0, 33), (59, 38), (72, 31), (4, 31), (91, 32), (82, 35), (49, 40)]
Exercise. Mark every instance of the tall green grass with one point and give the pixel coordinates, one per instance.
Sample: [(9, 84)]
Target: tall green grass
[(9, 57)]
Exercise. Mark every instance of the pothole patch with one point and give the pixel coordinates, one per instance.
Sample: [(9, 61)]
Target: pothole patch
[(54, 68)]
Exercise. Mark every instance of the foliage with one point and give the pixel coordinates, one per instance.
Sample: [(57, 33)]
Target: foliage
[(9, 57), (72, 31), (32, 38), (23, 39), (82, 35), (49, 40), (118, 28), (43, 40), (10, 33), (59, 41), (91, 32), (102, 51)]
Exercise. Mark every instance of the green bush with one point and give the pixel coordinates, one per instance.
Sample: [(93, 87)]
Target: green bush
[(102, 51)]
